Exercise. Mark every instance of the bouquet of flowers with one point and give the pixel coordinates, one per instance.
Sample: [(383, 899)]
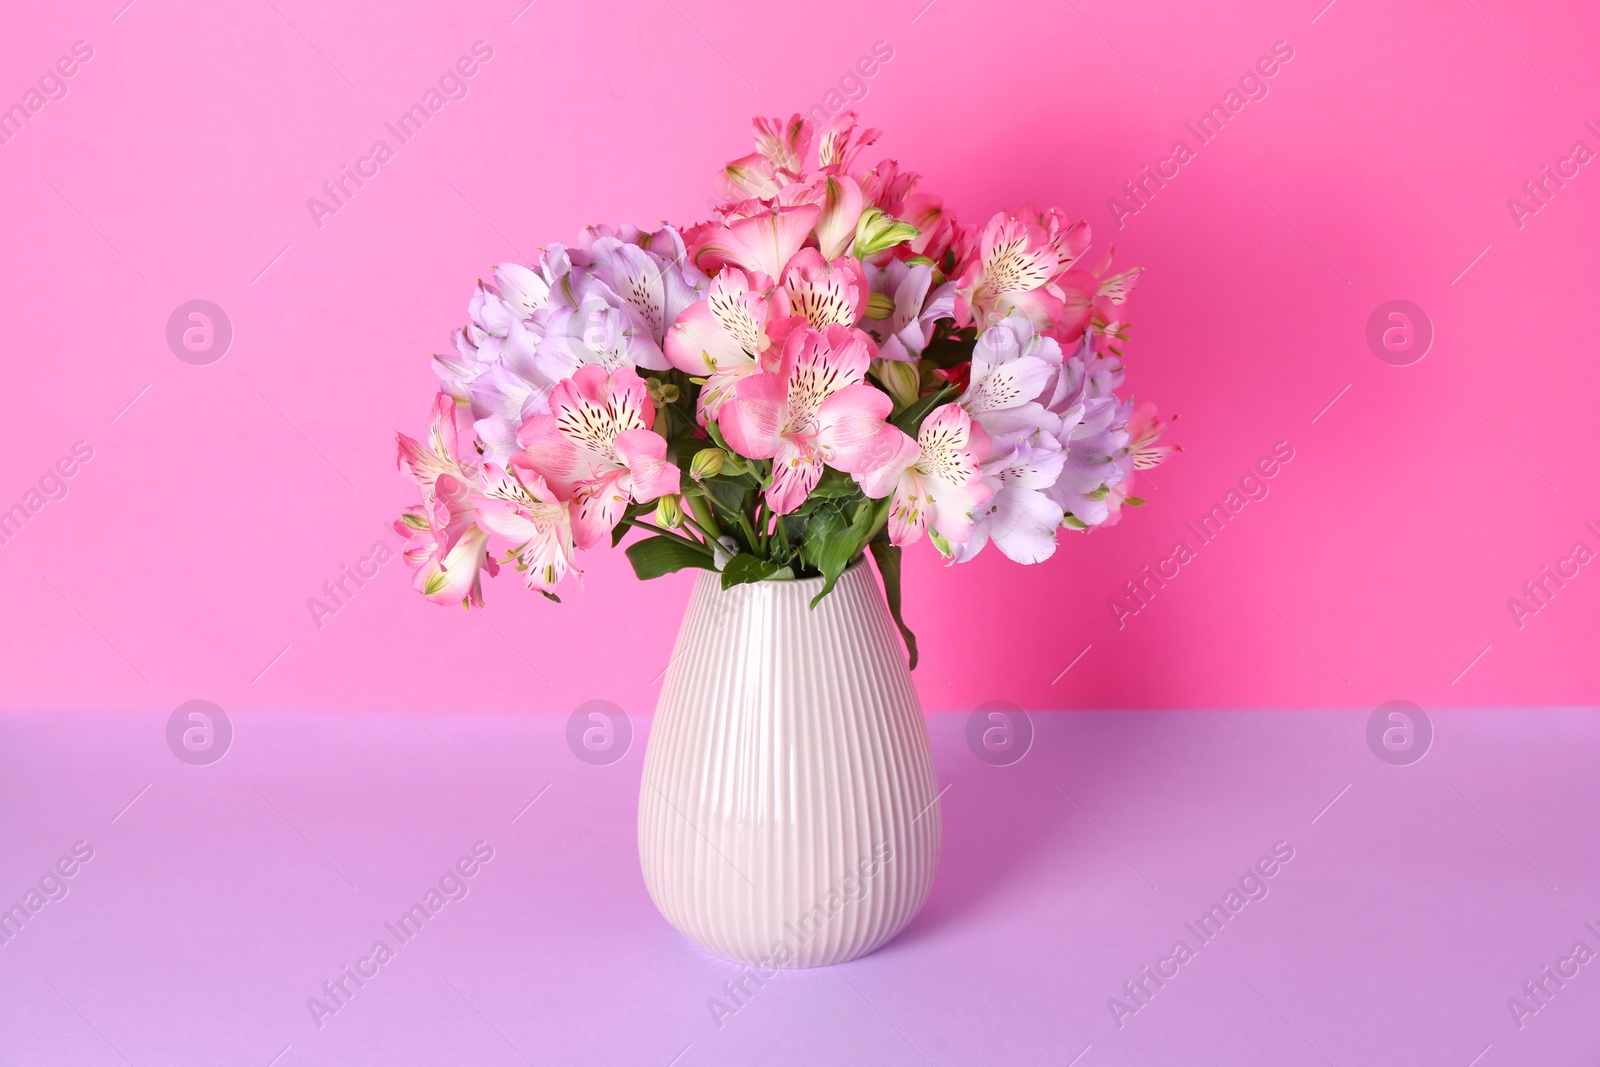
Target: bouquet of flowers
[(830, 365)]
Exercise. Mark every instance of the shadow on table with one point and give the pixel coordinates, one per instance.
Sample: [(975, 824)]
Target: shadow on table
[(998, 820)]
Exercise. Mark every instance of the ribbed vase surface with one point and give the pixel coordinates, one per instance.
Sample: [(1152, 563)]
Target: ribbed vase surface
[(787, 814)]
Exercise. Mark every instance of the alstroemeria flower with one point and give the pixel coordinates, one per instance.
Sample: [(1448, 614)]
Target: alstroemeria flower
[(841, 202), (516, 503), (1020, 517), (1144, 431), (1011, 367), (596, 450), (452, 575), (1095, 448), (840, 143), (500, 314), (594, 332), (813, 410), (1145, 428), (909, 327), (936, 480), (886, 186), (1090, 302), (723, 337), (648, 271), (1012, 268), (825, 293), (754, 236), (444, 544), (779, 159)]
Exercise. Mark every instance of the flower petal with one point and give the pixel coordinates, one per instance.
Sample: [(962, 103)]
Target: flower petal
[(752, 420), (644, 453)]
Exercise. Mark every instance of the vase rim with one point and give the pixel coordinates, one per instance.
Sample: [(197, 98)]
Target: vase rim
[(798, 583)]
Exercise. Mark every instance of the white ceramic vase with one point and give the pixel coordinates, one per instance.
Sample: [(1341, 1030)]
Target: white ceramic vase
[(788, 814)]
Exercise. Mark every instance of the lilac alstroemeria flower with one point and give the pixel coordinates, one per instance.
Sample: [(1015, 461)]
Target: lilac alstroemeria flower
[(1093, 434), (909, 327), (1020, 518), (606, 302), (1012, 367), (500, 314)]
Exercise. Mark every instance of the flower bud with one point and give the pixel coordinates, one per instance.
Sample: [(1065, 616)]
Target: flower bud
[(879, 306), (661, 392), (899, 377), (876, 231), (707, 463), (669, 513)]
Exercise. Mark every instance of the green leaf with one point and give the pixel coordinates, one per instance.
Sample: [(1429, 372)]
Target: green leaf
[(681, 452), (715, 432), (833, 484), (745, 568), (658, 555), (827, 523), (887, 557), (910, 420), (835, 553), (729, 494)]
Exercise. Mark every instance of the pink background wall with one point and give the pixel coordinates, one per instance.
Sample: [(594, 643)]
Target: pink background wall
[(1378, 167)]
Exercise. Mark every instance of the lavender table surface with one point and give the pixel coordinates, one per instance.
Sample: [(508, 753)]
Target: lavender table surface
[(219, 900)]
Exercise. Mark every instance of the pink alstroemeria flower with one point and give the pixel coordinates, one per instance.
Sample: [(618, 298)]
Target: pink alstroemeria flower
[(754, 236), (1013, 267), (1091, 302), (724, 337), (445, 575), (826, 293), (517, 504), (839, 143), (596, 450), (936, 480), (841, 201), (779, 159), (445, 547), (814, 409)]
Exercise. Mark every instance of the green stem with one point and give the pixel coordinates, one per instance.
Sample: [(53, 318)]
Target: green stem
[(703, 511), (707, 534), (751, 541), (783, 538), (641, 524)]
